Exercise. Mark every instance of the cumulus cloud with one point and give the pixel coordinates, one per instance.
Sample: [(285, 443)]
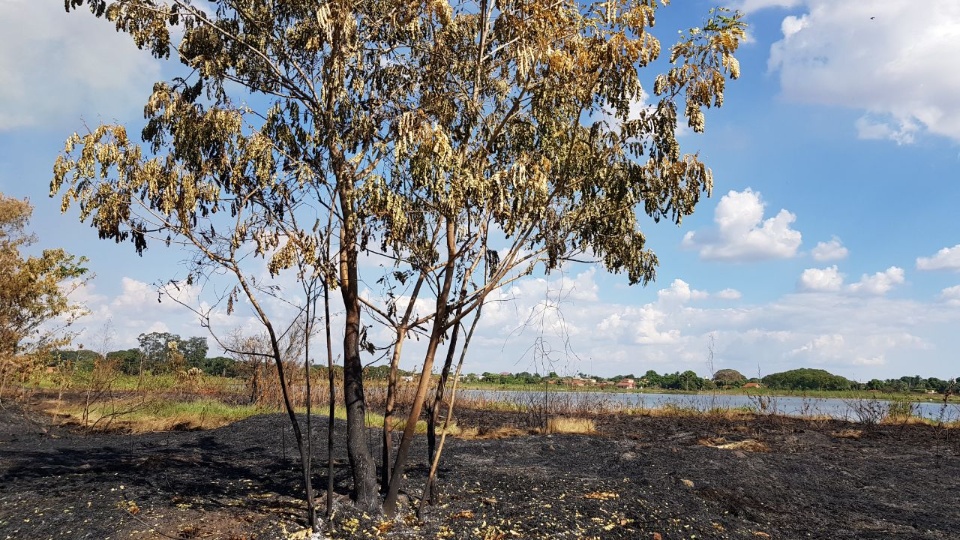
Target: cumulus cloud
[(860, 336), (886, 59), (902, 131), (742, 234), (820, 280), (57, 66), (945, 259), (869, 361), (879, 283), (729, 294), (829, 251), (680, 292), (829, 345), (647, 327), (951, 295)]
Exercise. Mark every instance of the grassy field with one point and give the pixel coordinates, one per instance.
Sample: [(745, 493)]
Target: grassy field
[(168, 402)]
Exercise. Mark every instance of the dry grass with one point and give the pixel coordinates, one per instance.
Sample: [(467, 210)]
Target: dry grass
[(901, 420), (564, 424), (473, 433), (139, 416), (746, 445), (848, 434)]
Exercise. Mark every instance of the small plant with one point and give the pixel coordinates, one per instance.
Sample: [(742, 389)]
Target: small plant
[(901, 410), (764, 404), (868, 412)]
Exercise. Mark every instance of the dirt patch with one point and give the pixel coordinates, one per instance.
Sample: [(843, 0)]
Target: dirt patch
[(636, 477)]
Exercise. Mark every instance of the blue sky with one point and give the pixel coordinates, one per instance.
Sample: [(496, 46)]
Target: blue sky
[(831, 239)]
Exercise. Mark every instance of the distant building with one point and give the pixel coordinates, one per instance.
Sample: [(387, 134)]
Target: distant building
[(752, 385), (626, 384)]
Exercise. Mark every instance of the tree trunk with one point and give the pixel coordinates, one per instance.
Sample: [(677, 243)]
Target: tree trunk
[(361, 460), (434, 413), (389, 409), (298, 435), (391, 405), (436, 336), (390, 503), (332, 387), (435, 458)]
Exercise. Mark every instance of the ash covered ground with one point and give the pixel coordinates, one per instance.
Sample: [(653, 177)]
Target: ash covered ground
[(637, 477)]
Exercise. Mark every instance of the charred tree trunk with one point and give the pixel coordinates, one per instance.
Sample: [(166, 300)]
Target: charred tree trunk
[(298, 435), (434, 413), (361, 460), (389, 410), (332, 388)]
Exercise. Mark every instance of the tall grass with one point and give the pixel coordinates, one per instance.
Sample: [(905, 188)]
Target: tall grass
[(141, 416)]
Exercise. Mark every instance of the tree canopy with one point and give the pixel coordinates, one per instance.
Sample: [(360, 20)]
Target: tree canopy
[(465, 145), (729, 377), (34, 292), (807, 379)]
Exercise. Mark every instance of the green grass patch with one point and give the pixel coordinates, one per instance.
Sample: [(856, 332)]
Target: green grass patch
[(141, 416)]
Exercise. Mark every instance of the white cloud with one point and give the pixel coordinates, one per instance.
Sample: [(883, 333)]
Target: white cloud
[(829, 251), (879, 283), (888, 58), (856, 336), (829, 345), (878, 360), (945, 259), (729, 294), (742, 234), (59, 67), (531, 326), (647, 324), (901, 131), (951, 295), (821, 280), (680, 292)]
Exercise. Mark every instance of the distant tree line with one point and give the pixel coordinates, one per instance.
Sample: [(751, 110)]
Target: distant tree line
[(162, 352), (803, 379), (687, 380), (159, 353)]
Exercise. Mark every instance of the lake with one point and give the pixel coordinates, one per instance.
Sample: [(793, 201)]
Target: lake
[(854, 409)]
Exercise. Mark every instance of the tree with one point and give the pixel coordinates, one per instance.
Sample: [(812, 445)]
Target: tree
[(729, 377), (35, 304), (157, 349), (466, 147), (128, 361), (689, 380), (652, 378), (222, 366), (194, 351), (807, 379)]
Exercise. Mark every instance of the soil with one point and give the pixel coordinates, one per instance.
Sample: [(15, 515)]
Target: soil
[(637, 477)]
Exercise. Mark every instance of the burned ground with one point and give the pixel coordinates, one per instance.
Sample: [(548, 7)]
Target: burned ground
[(638, 477)]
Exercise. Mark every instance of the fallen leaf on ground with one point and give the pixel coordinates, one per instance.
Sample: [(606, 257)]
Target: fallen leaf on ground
[(463, 514), (601, 495)]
